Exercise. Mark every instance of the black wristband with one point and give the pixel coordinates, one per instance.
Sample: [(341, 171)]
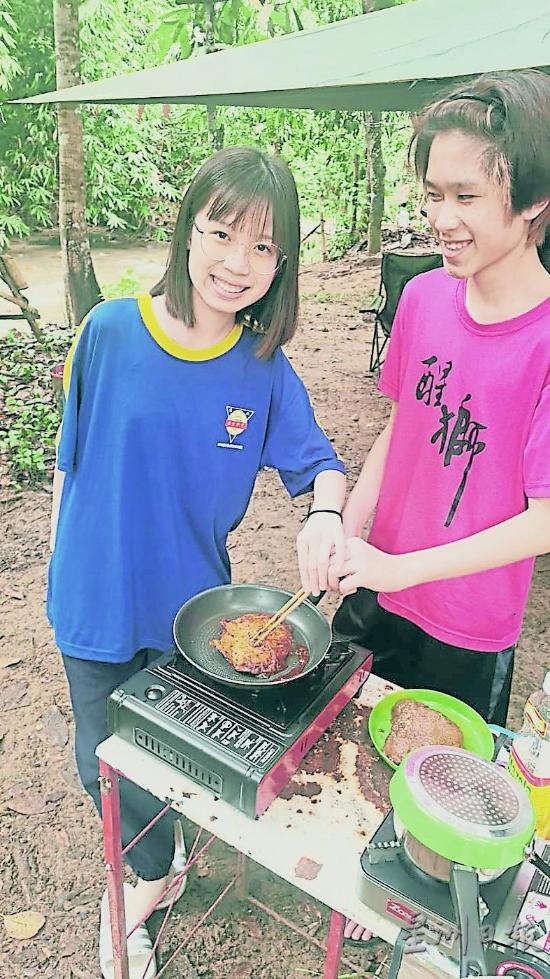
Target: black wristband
[(310, 512)]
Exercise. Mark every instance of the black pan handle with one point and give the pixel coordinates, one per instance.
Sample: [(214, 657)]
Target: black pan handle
[(315, 599), (464, 885)]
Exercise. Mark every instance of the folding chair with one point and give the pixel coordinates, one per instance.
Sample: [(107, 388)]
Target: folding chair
[(397, 269)]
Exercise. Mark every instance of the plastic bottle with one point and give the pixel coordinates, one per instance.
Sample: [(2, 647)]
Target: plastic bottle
[(530, 756)]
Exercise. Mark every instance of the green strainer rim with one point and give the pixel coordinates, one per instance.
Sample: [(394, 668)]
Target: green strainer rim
[(457, 843)]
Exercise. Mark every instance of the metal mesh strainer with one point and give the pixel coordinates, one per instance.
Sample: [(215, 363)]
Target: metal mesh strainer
[(463, 807), (468, 788)]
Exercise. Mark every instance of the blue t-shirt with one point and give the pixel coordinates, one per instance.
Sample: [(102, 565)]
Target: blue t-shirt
[(160, 446)]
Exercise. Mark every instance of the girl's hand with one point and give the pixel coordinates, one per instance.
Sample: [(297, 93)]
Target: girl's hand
[(321, 547), (367, 567)]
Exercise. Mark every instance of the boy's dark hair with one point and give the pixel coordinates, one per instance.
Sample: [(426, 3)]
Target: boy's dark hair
[(240, 181), (510, 113)]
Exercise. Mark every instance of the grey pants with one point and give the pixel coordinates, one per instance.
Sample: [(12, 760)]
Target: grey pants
[(90, 684)]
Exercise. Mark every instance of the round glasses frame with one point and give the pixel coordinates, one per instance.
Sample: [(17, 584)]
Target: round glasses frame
[(218, 251)]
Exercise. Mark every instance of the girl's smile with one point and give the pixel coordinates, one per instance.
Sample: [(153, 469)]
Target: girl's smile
[(227, 289)]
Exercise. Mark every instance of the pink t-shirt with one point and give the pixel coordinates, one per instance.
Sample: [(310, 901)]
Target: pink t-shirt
[(471, 441)]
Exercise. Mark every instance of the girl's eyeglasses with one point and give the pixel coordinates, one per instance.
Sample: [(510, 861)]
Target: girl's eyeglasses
[(264, 257)]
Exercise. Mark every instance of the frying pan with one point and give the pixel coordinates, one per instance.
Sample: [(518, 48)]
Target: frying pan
[(199, 621)]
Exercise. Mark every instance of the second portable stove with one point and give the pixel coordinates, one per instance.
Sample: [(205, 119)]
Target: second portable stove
[(422, 905), (242, 744)]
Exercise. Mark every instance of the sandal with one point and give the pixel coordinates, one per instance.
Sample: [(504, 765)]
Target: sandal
[(140, 947), (364, 943), (178, 866)]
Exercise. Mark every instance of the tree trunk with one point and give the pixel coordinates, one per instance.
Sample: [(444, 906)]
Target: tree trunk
[(368, 172), (377, 182), (81, 287), (324, 253), (354, 194), (375, 169), (215, 129)]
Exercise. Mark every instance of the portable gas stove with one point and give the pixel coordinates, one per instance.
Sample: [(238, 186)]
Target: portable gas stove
[(243, 744), (422, 905)]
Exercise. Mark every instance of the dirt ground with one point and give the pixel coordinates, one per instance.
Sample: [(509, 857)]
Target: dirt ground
[(50, 843)]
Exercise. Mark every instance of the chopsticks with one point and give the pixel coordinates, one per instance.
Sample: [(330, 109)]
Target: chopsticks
[(279, 616)]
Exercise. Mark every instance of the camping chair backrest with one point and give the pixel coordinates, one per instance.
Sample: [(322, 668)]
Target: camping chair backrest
[(398, 269)]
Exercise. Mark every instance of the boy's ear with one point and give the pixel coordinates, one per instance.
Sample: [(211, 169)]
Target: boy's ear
[(532, 212)]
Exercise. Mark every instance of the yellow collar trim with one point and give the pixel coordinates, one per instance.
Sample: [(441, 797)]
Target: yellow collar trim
[(145, 307)]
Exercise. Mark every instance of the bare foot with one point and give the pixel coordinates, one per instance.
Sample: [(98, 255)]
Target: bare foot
[(356, 932)]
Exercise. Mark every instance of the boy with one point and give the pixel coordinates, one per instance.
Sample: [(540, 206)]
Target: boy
[(460, 476)]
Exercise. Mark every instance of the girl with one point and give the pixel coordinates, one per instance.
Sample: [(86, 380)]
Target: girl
[(174, 402)]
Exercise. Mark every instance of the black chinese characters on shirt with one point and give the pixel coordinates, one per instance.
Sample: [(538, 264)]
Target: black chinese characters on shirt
[(458, 438)]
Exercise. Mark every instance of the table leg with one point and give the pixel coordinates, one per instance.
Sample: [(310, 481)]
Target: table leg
[(112, 851), (335, 941), (241, 877)]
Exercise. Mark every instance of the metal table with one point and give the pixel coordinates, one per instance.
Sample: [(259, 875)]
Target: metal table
[(326, 815)]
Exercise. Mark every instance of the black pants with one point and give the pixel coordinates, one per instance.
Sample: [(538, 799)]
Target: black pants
[(406, 655), (90, 684)]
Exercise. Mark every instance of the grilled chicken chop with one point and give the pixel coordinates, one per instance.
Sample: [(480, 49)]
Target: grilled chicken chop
[(415, 726), (235, 643)]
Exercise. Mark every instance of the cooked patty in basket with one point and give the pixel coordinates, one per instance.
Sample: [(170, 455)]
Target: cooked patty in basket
[(235, 643), (415, 726)]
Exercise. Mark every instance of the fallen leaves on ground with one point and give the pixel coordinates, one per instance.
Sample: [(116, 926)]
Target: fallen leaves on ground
[(12, 694), (28, 803), (55, 727), (24, 924)]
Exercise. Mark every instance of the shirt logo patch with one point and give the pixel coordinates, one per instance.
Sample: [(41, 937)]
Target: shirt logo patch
[(236, 423)]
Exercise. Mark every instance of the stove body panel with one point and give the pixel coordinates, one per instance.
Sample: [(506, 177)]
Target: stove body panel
[(242, 745)]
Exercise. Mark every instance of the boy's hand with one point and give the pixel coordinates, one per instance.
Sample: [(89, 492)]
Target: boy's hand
[(321, 548), (367, 567)]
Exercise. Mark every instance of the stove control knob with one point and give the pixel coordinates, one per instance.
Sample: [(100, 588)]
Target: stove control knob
[(155, 692)]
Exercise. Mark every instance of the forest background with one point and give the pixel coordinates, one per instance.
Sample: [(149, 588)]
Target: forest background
[(138, 160), (120, 171)]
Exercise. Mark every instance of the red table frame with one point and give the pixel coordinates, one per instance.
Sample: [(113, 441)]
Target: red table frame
[(113, 855)]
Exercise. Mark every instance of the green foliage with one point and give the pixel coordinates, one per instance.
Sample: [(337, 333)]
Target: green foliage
[(139, 159), (326, 297), (27, 149), (341, 242), (127, 285), (30, 416), (9, 67)]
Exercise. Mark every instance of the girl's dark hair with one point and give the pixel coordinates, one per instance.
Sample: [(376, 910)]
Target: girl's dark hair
[(237, 182), (509, 112)]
